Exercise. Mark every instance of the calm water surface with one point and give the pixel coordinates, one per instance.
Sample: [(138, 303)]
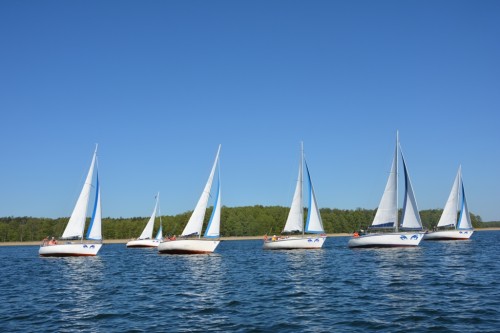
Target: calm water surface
[(439, 286)]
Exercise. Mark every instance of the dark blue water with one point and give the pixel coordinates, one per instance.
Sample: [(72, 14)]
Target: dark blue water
[(439, 287)]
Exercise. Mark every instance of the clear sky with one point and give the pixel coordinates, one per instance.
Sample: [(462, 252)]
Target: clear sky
[(159, 84)]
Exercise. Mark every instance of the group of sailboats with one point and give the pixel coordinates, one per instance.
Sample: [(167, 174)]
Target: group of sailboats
[(385, 230)]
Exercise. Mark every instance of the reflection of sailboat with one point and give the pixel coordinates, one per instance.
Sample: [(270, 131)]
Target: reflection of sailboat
[(295, 220), (76, 224), (447, 227), (146, 238), (387, 214), (190, 241)]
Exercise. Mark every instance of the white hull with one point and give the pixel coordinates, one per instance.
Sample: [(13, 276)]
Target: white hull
[(290, 243), (70, 250), (397, 239), (188, 246), (448, 235), (143, 243)]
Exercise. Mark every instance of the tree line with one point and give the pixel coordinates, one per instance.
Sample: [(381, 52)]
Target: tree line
[(235, 221)]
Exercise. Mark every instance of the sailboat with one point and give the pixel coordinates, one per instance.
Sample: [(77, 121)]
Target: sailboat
[(190, 241), (146, 238), (72, 241), (315, 237), (448, 227), (410, 232)]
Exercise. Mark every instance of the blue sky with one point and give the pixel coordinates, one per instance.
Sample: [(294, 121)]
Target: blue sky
[(159, 84)]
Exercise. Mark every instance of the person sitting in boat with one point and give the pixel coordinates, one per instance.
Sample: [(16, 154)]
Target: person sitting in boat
[(274, 238), (355, 234), (53, 241), (45, 241)]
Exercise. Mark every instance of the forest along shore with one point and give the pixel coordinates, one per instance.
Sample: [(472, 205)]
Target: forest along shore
[(234, 238)]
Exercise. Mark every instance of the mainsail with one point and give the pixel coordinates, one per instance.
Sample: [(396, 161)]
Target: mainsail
[(76, 223), (387, 212), (449, 215), (295, 220), (147, 233), (195, 223)]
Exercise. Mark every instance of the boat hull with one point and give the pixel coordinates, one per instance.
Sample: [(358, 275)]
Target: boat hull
[(143, 243), (188, 246), (397, 239), (449, 235), (70, 250), (291, 243)]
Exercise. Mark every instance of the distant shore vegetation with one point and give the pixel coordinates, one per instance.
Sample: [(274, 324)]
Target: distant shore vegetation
[(235, 221)]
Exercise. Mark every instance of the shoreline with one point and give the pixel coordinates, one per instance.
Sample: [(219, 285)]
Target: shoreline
[(231, 238)]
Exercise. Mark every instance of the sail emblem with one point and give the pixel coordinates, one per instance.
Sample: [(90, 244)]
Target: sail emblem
[(414, 237), (403, 237)]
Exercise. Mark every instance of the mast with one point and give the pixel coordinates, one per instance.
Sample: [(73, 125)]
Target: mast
[(160, 231), (301, 180), (458, 207), (397, 174)]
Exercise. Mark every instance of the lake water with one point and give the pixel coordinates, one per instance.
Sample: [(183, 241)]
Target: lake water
[(439, 286)]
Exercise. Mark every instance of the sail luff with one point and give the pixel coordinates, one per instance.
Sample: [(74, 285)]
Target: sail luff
[(314, 224), (449, 215), (195, 222), (147, 233), (94, 232), (295, 219), (76, 223)]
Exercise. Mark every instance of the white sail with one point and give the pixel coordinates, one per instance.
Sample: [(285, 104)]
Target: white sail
[(449, 215), (147, 233), (387, 212), (314, 224), (195, 222), (464, 221), (76, 222), (94, 231), (295, 220), (213, 227), (411, 217)]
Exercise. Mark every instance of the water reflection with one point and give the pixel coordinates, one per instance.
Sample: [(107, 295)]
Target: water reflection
[(79, 287)]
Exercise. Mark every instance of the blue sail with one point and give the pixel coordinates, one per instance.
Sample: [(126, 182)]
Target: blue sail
[(464, 221), (314, 225), (96, 213), (215, 215), (159, 234)]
